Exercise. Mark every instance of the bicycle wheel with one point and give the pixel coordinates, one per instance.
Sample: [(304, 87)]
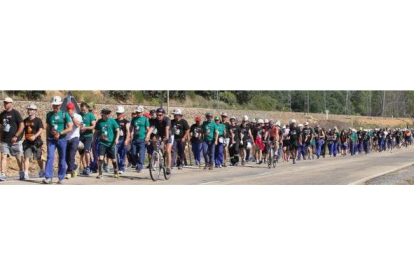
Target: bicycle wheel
[(270, 161), (155, 168), (166, 176)]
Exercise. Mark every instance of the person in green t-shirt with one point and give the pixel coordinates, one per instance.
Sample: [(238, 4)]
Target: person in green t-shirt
[(58, 124), (210, 140), (140, 132), (353, 138), (107, 134), (86, 136), (219, 150)]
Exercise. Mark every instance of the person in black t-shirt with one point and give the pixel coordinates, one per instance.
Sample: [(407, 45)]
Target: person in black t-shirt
[(227, 138), (295, 140), (161, 128), (124, 137), (11, 137), (32, 145), (181, 130), (196, 141), (235, 135)]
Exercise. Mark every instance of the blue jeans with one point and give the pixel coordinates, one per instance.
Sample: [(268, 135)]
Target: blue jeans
[(71, 149), (366, 147), (219, 154), (52, 144), (94, 161), (178, 150), (197, 148), (360, 147), (208, 152), (353, 148), (320, 143), (138, 151), (121, 154)]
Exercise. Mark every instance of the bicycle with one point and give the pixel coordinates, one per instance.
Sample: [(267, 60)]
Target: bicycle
[(158, 163), (273, 157)]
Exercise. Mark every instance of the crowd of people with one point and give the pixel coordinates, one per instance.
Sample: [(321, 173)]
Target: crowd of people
[(101, 141)]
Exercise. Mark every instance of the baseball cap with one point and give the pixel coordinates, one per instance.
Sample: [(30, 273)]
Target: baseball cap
[(8, 100), (32, 106), (224, 114), (70, 106), (106, 111), (198, 119)]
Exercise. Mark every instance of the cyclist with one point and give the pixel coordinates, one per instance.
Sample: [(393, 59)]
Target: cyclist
[(161, 128), (275, 136)]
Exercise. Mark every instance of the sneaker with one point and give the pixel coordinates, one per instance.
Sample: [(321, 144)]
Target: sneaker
[(88, 172), (21, 175), (225, 165), (180, 167), (26, 176), (100, 176), (60, 181), (206, 167), (210, 167), (121, 172), (220, 166), (106, 168), (294, 161), (139, 170), (3, 177), (116, 175), (47, 181), (41, 174), (168, 171), (68, 176)]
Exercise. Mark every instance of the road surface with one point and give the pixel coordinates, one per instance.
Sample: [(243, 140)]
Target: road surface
[(329, 171)]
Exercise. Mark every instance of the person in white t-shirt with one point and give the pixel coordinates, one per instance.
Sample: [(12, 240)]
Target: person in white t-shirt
[(73, 142)]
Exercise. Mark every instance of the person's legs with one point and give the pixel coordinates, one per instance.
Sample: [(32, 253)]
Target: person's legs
[(174, 154), (141, 157), (212, 148), (205, 152), (121, 155), (61, 147), (51, 148)]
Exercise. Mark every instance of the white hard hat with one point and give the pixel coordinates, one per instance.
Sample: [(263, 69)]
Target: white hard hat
[(293, 121), (32, 106), (266, 121), (300, 125), (120, 109), (307, 123), (278, 123), (245, 118), (139, 109), (260, 121), (233, 118), (177, 111), (57, 100)]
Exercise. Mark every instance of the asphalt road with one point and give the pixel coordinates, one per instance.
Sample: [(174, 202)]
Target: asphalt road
[(329, 171)]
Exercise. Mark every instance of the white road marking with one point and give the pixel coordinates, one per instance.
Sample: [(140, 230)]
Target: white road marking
[(208, 183)]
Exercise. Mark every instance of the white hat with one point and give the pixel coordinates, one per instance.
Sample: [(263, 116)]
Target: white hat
[(177, 111), (8, 100), (245, 118), (293, 121), (307, 123), (31, 106), (120, 109), (233, 118), (278, 123), (139, 109), (300, 125), (260, 121), (224, 114), (266, 121), (57, 100)]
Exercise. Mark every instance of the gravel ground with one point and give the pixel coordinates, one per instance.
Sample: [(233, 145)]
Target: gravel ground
[(401, 177)]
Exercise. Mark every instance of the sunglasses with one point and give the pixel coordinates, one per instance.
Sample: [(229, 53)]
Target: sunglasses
[(160, 115)]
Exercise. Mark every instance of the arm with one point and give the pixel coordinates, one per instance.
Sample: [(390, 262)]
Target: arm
[(128, 134), (76, 123), (19, 131)]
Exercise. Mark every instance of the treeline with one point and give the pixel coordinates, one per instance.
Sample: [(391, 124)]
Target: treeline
[(367, 103)]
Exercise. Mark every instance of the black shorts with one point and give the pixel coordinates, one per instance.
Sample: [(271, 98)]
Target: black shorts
[(87, 142), (29, 150), (294, 145), (109, 152), (286, 143)]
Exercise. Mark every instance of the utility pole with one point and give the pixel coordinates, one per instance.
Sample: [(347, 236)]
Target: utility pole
[(383, 104), (168, 101), (308, 103), (324, 99), (370, 103), (290, 101), (347, 103)]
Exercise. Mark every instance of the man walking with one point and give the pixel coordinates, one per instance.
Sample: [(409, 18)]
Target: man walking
[(72, 139)]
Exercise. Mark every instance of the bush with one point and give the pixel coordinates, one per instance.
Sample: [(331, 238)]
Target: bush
[(119, 95), (229, 98)]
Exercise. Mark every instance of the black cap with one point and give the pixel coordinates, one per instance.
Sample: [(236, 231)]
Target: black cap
[(106, 111)]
